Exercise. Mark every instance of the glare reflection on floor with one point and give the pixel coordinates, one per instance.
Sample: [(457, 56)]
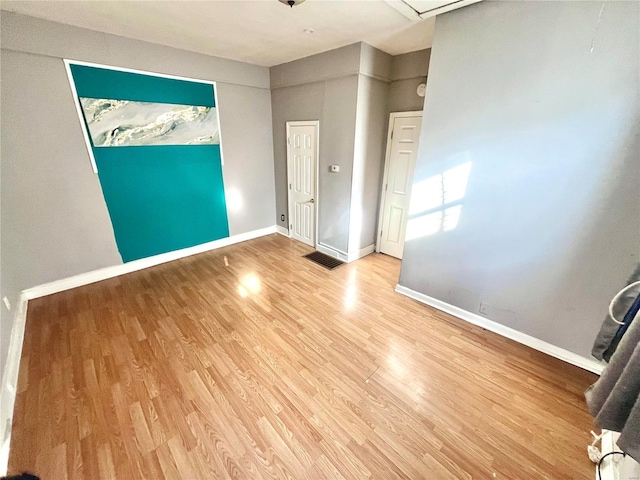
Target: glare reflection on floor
[(248, 285)]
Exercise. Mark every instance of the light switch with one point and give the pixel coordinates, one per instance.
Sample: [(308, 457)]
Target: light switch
[(334, 168)]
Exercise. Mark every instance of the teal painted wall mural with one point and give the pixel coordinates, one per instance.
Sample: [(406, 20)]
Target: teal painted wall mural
[(159, 160)]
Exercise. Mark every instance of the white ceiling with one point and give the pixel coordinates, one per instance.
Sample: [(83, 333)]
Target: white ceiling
[(263, 32)]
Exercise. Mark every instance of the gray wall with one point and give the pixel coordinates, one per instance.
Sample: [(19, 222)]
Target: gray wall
[(335, 63), (337, 137), (301, 102), (371, 135), (542, 99), (247, 145), (337, 132), (53, 215), (345, 89), (407, 72), (298, 95), (375, 63)]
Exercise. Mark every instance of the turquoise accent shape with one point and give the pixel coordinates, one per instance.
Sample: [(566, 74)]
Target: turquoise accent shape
[(96, 82), (160, 198)]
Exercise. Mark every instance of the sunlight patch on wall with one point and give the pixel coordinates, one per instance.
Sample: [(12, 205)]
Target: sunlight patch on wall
[(440, 221), (436, 202), (440, 189), (234, 200)]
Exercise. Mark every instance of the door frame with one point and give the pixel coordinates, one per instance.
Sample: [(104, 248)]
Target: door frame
[(383, 187), (303, 123)]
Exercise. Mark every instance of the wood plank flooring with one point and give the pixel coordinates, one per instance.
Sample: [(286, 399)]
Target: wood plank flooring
[(253, 362)]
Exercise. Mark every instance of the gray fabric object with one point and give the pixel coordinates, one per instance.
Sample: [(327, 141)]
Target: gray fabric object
[(614, 400), (602, 347)]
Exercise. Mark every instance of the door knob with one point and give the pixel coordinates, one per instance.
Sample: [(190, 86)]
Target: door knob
[(312, 201)]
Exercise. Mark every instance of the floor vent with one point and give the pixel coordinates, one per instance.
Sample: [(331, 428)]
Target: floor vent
[(325, 260)]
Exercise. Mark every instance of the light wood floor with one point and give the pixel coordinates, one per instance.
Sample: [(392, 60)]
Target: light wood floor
[(252, 362)]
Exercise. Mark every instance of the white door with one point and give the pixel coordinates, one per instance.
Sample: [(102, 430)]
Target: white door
[(402, 149), (302, 154)]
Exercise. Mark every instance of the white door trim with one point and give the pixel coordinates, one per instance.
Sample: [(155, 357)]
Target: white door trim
[(304, 123), (383, 190)]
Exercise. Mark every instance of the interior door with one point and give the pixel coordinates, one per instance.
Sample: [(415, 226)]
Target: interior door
[(302, 152), (399, 169)]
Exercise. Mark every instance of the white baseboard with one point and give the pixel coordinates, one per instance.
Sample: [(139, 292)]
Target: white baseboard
[(9, 387), (363, 252), (345, 257), (282, 231), (535, 343), (117, 270), (332, 252)]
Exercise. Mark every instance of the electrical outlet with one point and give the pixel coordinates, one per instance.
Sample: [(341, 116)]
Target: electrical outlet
[(7, 303), (282, 217), (484, 309)]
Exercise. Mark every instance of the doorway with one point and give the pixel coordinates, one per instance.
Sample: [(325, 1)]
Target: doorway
[(302, 177), (400, 162)]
